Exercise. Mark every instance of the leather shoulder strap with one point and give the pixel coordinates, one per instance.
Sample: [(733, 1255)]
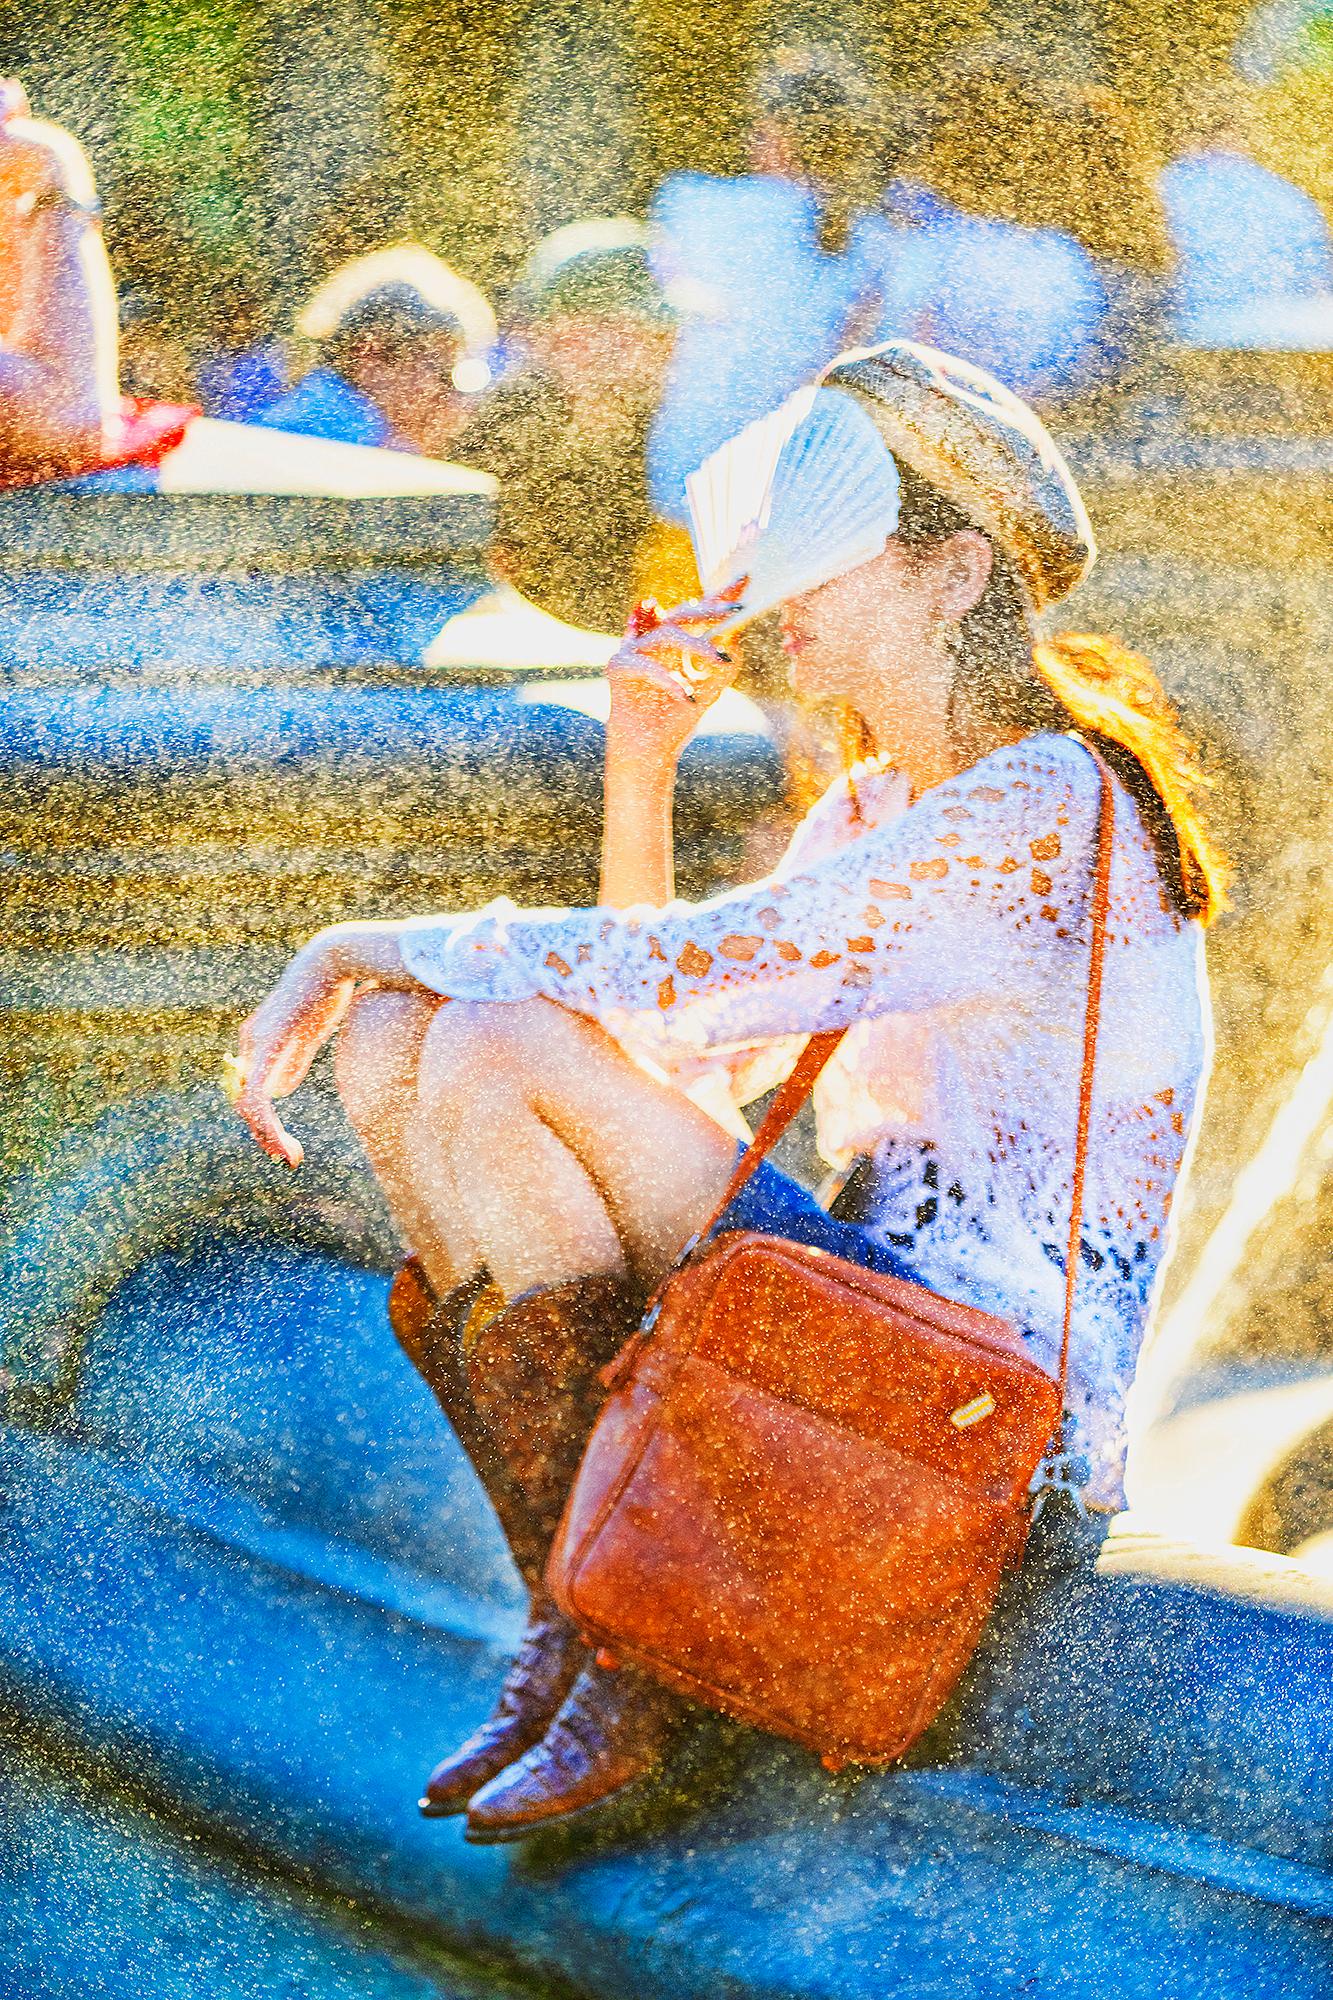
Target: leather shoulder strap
[(1101, 897), (792, 1094), (787, 1101)]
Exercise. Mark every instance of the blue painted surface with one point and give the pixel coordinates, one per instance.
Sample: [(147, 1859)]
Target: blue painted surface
[(1168, 1834), (175, 732), (292, 1396), (102, 1897), (502, 794), (277, 623)]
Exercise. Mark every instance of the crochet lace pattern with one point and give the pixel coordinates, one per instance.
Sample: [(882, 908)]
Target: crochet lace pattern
[(953, 935)]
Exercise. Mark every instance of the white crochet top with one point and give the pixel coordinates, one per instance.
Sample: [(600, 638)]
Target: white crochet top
[(954, 934)]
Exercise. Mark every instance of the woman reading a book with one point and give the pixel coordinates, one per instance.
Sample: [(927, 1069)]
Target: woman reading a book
[(537, 1138)]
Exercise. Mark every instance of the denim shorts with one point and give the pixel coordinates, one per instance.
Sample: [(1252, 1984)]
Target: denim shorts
[(773, 1204)]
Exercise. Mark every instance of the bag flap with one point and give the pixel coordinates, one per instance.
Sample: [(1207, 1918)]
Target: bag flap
[(892, 1361)]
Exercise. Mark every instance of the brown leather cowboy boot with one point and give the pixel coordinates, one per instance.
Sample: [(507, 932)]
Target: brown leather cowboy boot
[(532, 1370), (534, 1364), (612, 1730)]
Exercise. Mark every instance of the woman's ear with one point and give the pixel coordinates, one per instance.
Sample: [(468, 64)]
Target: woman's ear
[(965, 561)]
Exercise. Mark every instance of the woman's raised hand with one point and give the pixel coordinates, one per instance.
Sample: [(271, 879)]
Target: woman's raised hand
[(278, 1042), (668, 670)]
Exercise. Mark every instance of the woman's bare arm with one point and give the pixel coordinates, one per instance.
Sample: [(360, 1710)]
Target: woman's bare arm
[(638, 865), (662, 680), (276, 1045), (654, 708)]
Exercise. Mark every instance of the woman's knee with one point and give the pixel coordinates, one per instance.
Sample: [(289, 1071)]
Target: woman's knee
[(378, 1052), (476, 1048)]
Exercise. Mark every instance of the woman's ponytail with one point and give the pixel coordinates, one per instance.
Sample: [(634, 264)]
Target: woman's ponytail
[(1115, 695)]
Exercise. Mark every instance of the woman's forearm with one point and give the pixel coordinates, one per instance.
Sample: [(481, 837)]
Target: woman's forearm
[(371, 951), (663, 678), (637, 860)]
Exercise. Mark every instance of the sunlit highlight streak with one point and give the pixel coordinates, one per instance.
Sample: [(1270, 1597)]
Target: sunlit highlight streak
[(1266, 1180)]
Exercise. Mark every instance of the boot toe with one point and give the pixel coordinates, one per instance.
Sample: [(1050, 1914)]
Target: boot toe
[(612, 1731), (513, 1804), (487, 1754), (452, 1783)]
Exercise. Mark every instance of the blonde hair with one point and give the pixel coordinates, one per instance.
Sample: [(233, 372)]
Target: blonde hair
[(1115, 696), (1086, 681)]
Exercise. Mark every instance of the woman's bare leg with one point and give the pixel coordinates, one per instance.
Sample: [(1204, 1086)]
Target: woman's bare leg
[(567, 1158), (528, 1140), (376, 1061)]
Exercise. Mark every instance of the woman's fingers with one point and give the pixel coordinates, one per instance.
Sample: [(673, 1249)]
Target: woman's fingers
[(663, 645), (703, 614), (654, 674), (667, 672), (672, 643), (276, 1045), (648, 615), (674, 662), (711, 609), (267, 1129)]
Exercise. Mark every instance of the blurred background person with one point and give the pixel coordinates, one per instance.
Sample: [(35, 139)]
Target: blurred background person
[(1251, 246), (565, 429), (774, 271), (58, 361), (243, 367), (1039, 247), (402, 344)]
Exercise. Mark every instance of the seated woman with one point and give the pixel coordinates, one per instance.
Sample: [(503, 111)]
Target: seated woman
[(536, 1138)]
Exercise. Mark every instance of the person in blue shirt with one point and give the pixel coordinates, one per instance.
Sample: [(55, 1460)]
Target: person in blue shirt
[(772, 272), (385, 377), (1037, 246), (1251, 247)]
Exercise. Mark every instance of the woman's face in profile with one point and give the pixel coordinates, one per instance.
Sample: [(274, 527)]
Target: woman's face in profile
[(865, 634), (880, 639)]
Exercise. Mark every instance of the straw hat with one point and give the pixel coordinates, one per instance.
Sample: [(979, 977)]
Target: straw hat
[(983, 449)]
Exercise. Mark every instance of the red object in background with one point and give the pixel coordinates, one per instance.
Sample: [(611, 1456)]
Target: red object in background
[(142, 432), (643, 618)]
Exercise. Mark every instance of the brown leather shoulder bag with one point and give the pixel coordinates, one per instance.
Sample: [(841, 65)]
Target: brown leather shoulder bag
[(800, 1497)]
